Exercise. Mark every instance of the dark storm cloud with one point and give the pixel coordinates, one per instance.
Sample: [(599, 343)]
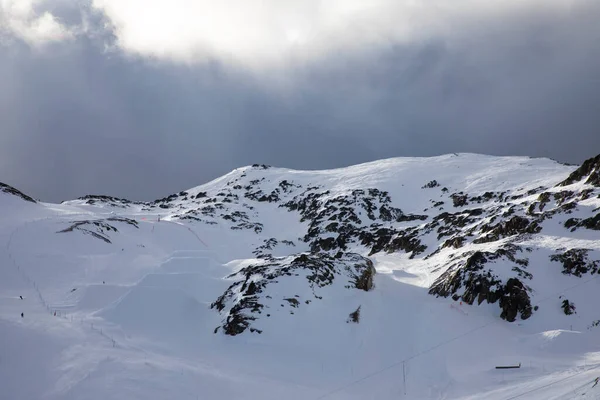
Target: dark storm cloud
[(77, 119)]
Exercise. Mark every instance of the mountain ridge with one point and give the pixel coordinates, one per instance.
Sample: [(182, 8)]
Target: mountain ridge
[(336, 223), (320, 278)]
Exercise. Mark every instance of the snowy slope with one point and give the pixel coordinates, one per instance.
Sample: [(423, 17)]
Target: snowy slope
[(402, 278)]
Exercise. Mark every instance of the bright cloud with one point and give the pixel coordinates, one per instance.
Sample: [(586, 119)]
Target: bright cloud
[(263, 32), (19, 18)]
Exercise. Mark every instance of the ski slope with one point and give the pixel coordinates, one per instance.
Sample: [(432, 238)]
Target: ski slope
[(127, 314)]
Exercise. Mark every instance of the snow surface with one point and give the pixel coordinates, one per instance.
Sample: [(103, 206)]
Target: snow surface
[(131, 319)]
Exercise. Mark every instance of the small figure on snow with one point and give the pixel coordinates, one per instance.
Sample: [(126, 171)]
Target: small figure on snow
[(596, 381), (21, 297), (22, 315)]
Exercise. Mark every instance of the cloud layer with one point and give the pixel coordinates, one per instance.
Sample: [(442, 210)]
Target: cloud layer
[(19, 18), (266, 33), (141, 100)]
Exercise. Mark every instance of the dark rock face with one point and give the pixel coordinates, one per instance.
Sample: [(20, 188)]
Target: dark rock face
[(514, 300), (363, 275), (244, 299), (340, 216), (354, 316), (459, 199), (568, 307), (576, 262), (476, 286), (514, 226), (99, 228), (472, 282), (113, 201), (590, 169), (455, 243), (430, 185), (592, 223), (11, 190), (448, 224)]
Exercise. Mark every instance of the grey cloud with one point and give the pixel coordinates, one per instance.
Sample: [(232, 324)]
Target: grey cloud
[(79, 120)]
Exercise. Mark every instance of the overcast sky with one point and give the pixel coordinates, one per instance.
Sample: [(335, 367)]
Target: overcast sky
[(143, 98)]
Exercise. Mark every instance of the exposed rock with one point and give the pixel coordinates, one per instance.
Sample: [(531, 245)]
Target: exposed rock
[(471, 282), (568, 307), (430, 185), (244, 297), (113, 201), (354, 316), (514, 226), (364, 279), (455, 243), (293, 302), (449, 224), (576, 262), (11, 190), (98, 228), (486, 197), (514, 300), (592, 223), (590, 169), (459, 199)]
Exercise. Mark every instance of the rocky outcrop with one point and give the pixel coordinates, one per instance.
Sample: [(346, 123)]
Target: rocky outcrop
[(514, 226), (354, 316), (592, 223), (472, 282), (362, 274), (244, 300), (590, 170), (568, 307), (11, 190), (514, 300), (336, 222), (107, 200), (100, 229), (430, 185), (576, 262)]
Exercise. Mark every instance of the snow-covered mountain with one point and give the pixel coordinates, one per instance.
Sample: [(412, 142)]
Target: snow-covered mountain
[(402, 278)]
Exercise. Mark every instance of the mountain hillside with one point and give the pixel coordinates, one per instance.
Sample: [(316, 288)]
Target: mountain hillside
[(401, 278)]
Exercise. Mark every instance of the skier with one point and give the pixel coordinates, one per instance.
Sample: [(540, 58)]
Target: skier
[(22, 315), (596, 381), (21, 297)]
